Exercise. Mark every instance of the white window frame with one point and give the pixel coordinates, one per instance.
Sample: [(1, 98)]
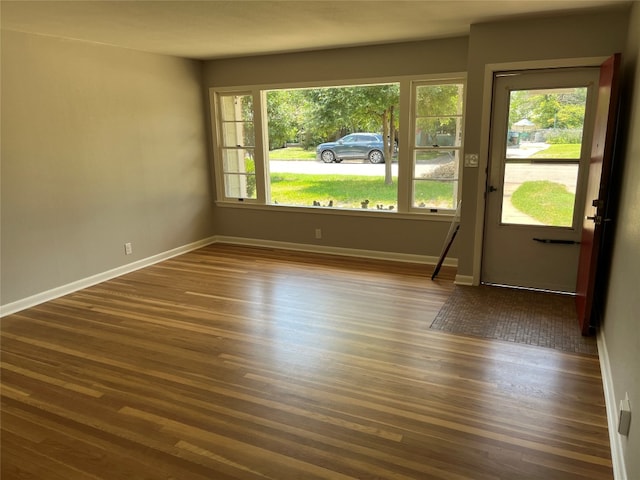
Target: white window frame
[(405, 156), (413, 148)]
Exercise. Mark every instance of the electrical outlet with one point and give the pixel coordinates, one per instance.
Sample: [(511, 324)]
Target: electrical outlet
[(624, 419), (128, 249), (318, 233)]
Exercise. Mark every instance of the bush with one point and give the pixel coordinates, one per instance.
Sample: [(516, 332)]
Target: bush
[(446, 170), (553, 135)]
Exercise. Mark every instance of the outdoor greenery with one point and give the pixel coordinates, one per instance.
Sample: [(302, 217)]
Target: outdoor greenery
[(347, 191), (560, 108), (438, 114), (311, 116), (545, 201), (569, 135), (559, 151), (292, 153), (314, 115)]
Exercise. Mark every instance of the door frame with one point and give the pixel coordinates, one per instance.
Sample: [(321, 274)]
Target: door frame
[(485, 136), (502, 235)]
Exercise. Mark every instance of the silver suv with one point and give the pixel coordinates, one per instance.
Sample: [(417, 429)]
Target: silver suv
[(367, 146)]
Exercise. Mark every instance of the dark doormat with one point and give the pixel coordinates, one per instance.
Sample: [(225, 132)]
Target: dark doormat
[(515, 315)]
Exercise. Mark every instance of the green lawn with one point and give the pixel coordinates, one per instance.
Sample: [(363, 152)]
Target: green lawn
[(548, 202), (292, 153), (560, 150), (349, 191)]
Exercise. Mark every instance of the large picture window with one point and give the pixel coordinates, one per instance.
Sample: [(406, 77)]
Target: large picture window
[(327, 146), (340, 147)]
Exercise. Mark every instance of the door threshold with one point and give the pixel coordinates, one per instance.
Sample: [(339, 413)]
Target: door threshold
[(531, 289)]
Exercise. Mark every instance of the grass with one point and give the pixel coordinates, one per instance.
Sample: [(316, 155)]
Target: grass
[(548, 202), (292, 153), (349, 191), (559, 150)]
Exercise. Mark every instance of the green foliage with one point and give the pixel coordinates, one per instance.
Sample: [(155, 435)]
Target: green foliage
[(437, 110), (292, 153), (346, 191), (250, 168), (545, 201), (556, 109), (315, 115), (285, 109), (571, 150), (572, 136)]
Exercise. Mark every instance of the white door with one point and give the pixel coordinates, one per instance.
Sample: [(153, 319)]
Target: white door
[(541, 130)]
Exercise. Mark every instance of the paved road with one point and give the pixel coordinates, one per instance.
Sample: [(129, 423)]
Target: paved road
[(354, 167)]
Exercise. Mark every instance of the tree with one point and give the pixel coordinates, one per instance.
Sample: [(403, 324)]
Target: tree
[(438, 114), (323, 114), (336, 111), (284, 108), (549, 109)]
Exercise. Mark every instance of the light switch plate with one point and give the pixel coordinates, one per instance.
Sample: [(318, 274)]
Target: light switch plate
[(470, 159)]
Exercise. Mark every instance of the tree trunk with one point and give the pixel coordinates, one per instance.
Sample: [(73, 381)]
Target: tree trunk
[(389, 142)]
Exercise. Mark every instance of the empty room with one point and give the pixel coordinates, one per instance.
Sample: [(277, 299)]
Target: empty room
[(320, 240)]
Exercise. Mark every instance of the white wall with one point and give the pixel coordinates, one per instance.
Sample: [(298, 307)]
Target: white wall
[(100, 146), (621, 324)]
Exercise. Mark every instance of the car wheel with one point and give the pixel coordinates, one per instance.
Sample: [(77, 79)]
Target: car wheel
[(376, 156), (327, 156)]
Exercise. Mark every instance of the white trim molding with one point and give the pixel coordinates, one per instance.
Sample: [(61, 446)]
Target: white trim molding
[(57, 292), (617, 453), (348, 252), (465, 280)]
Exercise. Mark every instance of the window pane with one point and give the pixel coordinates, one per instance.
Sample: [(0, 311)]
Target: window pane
[(435, 178), (240, 134), (438, 128), (240, 186), (326, 146), (539, 194), (439, 100), (238, 161), (237, 108), (439, 132), (546, 123), (433, 194)]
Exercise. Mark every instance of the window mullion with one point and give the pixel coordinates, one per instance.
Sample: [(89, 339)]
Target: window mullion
[(261, 151), (405, 169)]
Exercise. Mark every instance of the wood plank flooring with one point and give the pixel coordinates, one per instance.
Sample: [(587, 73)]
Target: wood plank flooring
[(245, 363)]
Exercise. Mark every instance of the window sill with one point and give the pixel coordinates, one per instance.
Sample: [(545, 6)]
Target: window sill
[(365, 212)]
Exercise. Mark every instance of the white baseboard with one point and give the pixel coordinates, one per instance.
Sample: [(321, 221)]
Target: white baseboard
[(466, 280), (349, 252), (57, 292), (617, 454)]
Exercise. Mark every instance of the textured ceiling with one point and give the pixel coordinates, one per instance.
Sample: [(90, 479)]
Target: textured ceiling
[(217, 29)]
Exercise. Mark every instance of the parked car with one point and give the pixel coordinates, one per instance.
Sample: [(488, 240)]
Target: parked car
[(367, 146)]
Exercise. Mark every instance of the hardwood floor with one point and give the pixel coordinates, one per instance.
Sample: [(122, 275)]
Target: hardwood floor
[(244, 363)]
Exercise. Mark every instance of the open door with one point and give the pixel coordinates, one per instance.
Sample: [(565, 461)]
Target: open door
[(597, 190), (541, 131)]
